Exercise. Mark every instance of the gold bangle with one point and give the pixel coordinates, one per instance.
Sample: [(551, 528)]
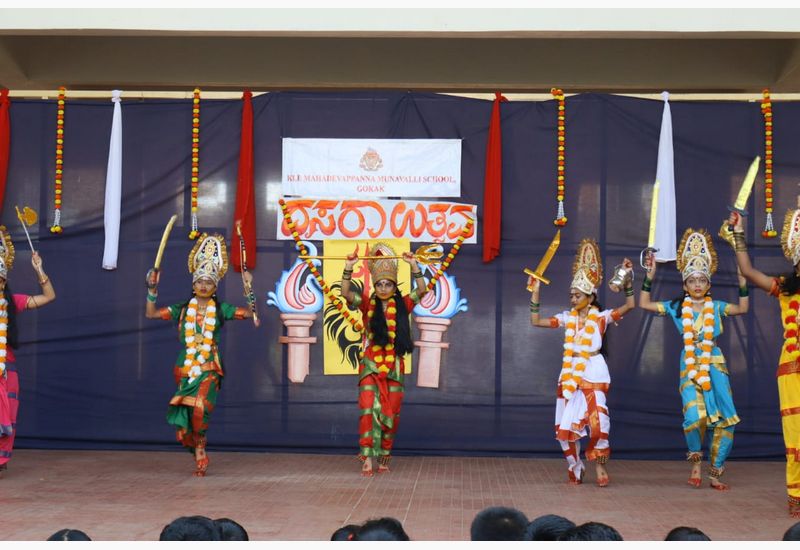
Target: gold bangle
[(44, 281)]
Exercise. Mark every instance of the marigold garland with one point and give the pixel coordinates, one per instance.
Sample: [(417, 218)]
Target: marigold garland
[(700, 375), (56, 227), (192, 365), (572, 372), (194, 233), (3, 334), (766, 110), (790, 334), (558, 95), (384, 356), (452, 254), (358, 327)]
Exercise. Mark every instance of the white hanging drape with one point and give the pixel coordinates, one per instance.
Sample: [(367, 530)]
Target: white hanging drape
[(113, 186), (666, 238)]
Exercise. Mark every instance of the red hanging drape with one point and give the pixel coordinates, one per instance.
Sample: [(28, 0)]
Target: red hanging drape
[(245, 196), (5, 142), (493, 185)]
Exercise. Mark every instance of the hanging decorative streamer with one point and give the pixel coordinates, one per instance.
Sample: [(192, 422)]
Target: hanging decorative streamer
[(5, 141), (357, 326), (62, 94), (766, 110), (244, 215), (113, 203), (558, 95), (666, 220), (493, 185), (194, 233)]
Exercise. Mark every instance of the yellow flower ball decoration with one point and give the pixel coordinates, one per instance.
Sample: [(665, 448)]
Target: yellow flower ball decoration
[(194, 233), (766, 110), (61, 104), (561, 141)]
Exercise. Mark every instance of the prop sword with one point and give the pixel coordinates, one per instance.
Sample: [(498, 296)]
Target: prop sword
[(27, 217), (545, 261), (651, 236), (163, 245), (739, 207), (248, 288)]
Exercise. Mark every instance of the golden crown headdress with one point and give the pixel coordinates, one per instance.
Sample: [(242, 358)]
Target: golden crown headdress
[(382, 268), (696, 254), (209, 258), (6, 252), (587, 269), (790, 236)]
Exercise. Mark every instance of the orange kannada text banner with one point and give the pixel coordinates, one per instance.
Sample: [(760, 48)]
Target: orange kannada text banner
[(417, 221)]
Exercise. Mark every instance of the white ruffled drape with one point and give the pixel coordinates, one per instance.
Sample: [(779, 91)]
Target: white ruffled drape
[(113, 186), (666, 237)]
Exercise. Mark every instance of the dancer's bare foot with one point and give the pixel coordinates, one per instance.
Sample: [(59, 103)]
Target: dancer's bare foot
[(694, 479), (717, 484), (576, 480), (3, 469), (201, 459), (602, 475), (366, 467), (713, 477)]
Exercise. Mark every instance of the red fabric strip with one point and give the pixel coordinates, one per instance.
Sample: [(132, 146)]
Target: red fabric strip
[(245, 197), (5, 141), (492, 186)]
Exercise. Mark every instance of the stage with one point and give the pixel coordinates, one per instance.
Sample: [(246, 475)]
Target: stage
[(115, 495)]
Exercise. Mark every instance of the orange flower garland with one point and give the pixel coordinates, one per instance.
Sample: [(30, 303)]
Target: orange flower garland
[(384, 356), (558, 95), (572, 372), (314, 271), (701, 375), (3, 334), (452, 254), (766, 109), (790, 334), (192, 365), (194, 233), (56, 228)]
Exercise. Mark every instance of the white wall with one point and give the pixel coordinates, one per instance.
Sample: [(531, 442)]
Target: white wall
[(406, 20)]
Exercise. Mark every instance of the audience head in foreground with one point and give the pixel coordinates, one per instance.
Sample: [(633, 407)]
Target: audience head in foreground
[(548, 527), (686, 533), (381, 529), (69, 534), (192, 528), (498, 523), (592, 531)]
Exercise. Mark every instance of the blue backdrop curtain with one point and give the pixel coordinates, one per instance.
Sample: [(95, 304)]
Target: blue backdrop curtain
[(96, 374)]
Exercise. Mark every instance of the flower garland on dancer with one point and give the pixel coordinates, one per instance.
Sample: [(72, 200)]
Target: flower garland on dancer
[(704, 381), (584, 379), (198, 370), (10, 306), (786, 288)]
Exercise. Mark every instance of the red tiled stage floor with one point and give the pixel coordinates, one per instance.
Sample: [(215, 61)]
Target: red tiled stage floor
[(131, 495)]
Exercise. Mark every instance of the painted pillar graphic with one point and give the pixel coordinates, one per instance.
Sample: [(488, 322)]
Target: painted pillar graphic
[(298, 297)]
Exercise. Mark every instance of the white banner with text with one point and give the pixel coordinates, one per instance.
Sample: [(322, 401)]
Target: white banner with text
[(317, 167)]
